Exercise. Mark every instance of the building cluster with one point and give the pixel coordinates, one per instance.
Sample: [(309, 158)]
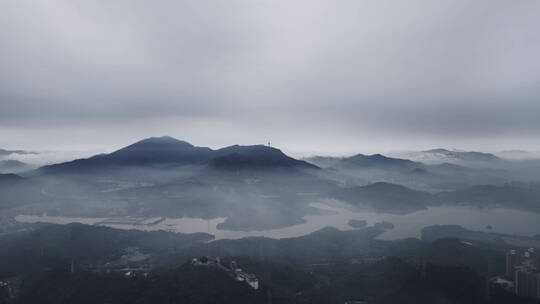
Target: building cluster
[(243, 276), (522, 273), (9, 288), (233, 270)]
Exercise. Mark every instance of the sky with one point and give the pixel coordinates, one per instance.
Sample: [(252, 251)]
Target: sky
[(309, 76)]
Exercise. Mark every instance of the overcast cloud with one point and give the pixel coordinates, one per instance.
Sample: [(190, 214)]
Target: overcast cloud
[(328, 76)]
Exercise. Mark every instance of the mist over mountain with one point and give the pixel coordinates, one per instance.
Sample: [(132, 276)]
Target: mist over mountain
[(384, 196), (9, 178), (163, 160), (323, 161), (376, 161), (520, 197), (462, 155), (518, 154), (276, 182), (432, 177), (159, 182), (464, 158), (4, 152), (13, 166), (253, 187), (362, 161)]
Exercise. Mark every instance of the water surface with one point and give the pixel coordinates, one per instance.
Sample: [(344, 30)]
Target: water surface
[(501, 220)]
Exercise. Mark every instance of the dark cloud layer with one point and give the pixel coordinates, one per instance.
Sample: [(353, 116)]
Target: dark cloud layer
[(334, 76)]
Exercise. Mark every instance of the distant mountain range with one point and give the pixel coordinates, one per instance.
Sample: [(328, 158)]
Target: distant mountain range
[(437, 156), (4, 152), (385, 163), (385, 196), (377, 161), (362, 161), (396, 198), (254, 187), (13, 166), (18, 191), (167, 151), (361, 169), (463, 155)]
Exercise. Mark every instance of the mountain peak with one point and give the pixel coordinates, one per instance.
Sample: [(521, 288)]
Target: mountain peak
[(250, 150), (375, 161), (155, 145), (161, 141), (163, 149), (256, 156)]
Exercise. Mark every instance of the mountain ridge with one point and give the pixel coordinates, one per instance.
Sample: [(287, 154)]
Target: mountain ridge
[(167, 150), (377, 161), (4, 152)]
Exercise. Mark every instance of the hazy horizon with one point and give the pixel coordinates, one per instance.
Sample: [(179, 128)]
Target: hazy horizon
[(45, 156)]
